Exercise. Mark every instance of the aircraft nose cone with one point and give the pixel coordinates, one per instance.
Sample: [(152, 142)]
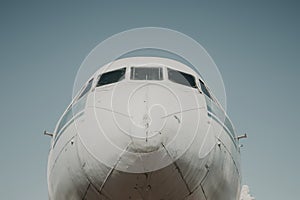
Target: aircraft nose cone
[(135, 123), (147, 110), (148, 106)]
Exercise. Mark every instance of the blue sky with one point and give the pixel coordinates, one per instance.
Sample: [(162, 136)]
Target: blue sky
[(255, 44)]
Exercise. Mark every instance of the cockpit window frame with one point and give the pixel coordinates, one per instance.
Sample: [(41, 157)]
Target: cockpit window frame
[(185, 75), (205, 89), (160, 72), (86, 89), (123, 71)]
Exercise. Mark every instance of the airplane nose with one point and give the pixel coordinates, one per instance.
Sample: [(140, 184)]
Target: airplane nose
[(148, 106), (140, 121), (147, 120)]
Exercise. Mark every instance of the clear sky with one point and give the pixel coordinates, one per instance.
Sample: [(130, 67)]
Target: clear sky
[(254, 43)]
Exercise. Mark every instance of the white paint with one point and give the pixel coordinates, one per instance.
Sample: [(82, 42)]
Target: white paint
[(144, 140)]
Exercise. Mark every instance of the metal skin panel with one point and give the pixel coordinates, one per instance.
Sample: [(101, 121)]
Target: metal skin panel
[(153, 185), (66, 179), (165, 145)]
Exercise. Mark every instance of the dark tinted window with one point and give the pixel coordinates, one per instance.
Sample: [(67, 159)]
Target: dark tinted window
[(111, 77), (67, 117), (146, 73), (86, 89), (181, 78), (204, 89)]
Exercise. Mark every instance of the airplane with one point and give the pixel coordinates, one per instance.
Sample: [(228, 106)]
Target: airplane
[(144, 128)]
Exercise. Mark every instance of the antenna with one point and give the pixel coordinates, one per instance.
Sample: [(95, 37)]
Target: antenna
[(48, 133), (242, 136)]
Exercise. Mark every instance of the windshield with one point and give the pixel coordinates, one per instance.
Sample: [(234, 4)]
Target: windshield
[(146, 73), (111, 77), (181, 78)]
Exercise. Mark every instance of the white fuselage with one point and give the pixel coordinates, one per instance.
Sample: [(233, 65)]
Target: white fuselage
[(144, 128)]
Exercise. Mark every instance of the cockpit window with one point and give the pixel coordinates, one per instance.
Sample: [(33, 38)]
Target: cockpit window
[(86, 89), (204, 89), (181, 78), (111, 77), (146, 73)]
